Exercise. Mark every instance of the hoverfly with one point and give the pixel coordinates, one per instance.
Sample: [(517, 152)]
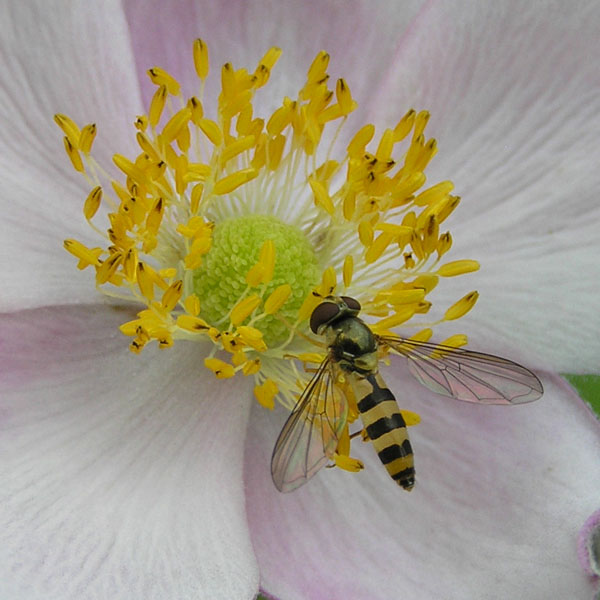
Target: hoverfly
[(311, 434)]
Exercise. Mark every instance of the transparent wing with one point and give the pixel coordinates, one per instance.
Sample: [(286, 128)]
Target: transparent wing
[(467, 375), (310, 435)]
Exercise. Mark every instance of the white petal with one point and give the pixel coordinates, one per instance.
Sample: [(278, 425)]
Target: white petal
[(500, 497), (512, 89), (121, 474), (56, 58)]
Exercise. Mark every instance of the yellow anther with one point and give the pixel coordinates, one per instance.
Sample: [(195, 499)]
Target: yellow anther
[(146, 145), (430, 235), (221, 369), (252, 337), (235, 148), (141, 122), (420, 123), (145, 281), (400, 316), (447, 208), (393, 229), (192, 305), (154, 218), (422, 336), (265, 393), (277, 298), (262, 271), (201, 58), (458, 267), (462, 307), (83, 253), (92, 202), (172, 295), (267, 259), (271, 57), (400, 297), (456, 341), (378, 247), (160, 77), (280, 119), (365, 233), (167, 273), (347, 463), (328, 282), (444, 243), (212, 131), (175, 124), (108, 268), (235, 180), (308, 305), (130, 265), (197, 172), (196, 197), (405, 125), (344, 98), (157, 105), (69, 127), (357, 145), (275, 148), (251, 367), (348, 270), (318, 69), (165, 339), (386, 145), (349, 205), (86, 139), (425, 282), (197, 110), (192, 323), (130, 169), (434, 194), (244, 308), (130, 327), (321, 195), (73, 155)]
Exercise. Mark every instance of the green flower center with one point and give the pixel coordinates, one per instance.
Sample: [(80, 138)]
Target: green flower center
[(221, 280)]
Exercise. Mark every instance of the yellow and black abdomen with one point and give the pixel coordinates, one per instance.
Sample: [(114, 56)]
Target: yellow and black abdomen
[(386, 428)]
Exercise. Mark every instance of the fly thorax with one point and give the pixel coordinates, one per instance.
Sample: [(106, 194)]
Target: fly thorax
[(352, 345)]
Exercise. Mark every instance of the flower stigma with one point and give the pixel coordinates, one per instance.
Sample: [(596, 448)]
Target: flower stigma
[(230, 227)]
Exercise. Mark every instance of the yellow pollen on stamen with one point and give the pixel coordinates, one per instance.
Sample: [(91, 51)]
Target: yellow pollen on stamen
[(229, 227)]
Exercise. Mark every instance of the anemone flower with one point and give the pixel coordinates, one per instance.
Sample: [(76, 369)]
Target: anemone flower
[(130, 475)]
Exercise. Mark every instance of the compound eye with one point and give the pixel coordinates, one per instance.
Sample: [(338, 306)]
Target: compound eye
[(351, 303), (323, 314)]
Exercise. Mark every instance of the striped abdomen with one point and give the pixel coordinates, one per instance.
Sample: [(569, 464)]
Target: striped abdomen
[(386, 428)]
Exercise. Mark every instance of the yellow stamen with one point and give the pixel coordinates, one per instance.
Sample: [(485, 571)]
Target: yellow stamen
[(462, 307), (221, 369), (201, 58), (86, 139), (277, 299), (92, 202), (265, 393), (244, 308), (458, 267), (235, 180)]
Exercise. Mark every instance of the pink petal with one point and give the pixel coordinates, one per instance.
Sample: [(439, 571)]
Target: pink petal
[(513, 93), (501, 493), (358, 37), (59, 58), (121, 474)]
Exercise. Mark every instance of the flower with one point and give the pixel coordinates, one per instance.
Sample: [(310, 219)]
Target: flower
[(110, 457)]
